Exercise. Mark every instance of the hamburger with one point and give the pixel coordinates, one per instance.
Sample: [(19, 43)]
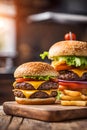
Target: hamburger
[(69, 58), (35, 83)]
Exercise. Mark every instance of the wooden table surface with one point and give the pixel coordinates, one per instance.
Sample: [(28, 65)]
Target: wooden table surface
[(8, 122)]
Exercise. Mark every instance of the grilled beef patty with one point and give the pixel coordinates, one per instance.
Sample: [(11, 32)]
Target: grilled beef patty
[(38, 94), (69, 75), (44, 86), (24, 86), (48, 85)]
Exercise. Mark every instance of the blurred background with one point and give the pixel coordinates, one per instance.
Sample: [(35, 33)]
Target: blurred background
[(29, 27)]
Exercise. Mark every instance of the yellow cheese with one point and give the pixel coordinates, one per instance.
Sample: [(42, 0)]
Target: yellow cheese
[(28, 93), (35, 84), (56, 63), (14, 84), (78, 71)]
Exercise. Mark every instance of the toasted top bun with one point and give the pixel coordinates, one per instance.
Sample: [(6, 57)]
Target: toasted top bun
[(35, 69), (68, 48)]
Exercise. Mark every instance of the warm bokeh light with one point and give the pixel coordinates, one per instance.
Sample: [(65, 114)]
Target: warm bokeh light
[(7, 30), (2, 24)]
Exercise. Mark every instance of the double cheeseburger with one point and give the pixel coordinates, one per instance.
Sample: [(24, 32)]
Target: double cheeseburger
[(69, 58), (35, 83)]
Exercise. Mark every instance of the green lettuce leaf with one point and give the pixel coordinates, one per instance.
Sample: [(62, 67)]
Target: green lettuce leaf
[(73, 60), (39, 77), (77, 61), (58, 95), (44, 55)]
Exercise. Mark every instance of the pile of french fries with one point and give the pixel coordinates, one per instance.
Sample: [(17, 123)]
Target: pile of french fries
[(73, 98)]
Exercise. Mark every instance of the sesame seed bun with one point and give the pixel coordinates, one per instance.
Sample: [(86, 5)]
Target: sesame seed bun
[(68, 48), (35, 69), (39, 101)]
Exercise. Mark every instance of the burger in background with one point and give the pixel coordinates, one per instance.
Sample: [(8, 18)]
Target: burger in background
[(69, 58), (35, 83)]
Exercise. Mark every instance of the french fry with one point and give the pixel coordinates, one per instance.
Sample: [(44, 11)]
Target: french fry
[(83, 97), (66, 97), (72, 93), (73, 103)]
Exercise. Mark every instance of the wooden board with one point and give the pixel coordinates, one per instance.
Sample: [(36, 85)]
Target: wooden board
[(45, 112)]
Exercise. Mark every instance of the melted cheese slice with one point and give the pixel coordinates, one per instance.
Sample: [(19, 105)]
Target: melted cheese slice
[(28, 93), (78, 71), (35, 84), (56, 63)]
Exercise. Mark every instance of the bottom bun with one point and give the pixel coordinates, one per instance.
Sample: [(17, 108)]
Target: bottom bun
[(35, 101)]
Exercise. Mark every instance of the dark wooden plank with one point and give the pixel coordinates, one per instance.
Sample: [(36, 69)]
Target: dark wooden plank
[(25, 125), (82, 124), (1, 111), (29, 124), (60, 126), (4, 122), (74, 125), (18, 123), (15, 123), (4, 119), (70, 125), (45, 112)]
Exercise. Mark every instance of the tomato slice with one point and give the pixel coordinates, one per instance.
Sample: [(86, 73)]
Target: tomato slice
[(29, 79), (19, 80), (22, 79), (54, 80), (73, 85), (62, 67), (62, 87)]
